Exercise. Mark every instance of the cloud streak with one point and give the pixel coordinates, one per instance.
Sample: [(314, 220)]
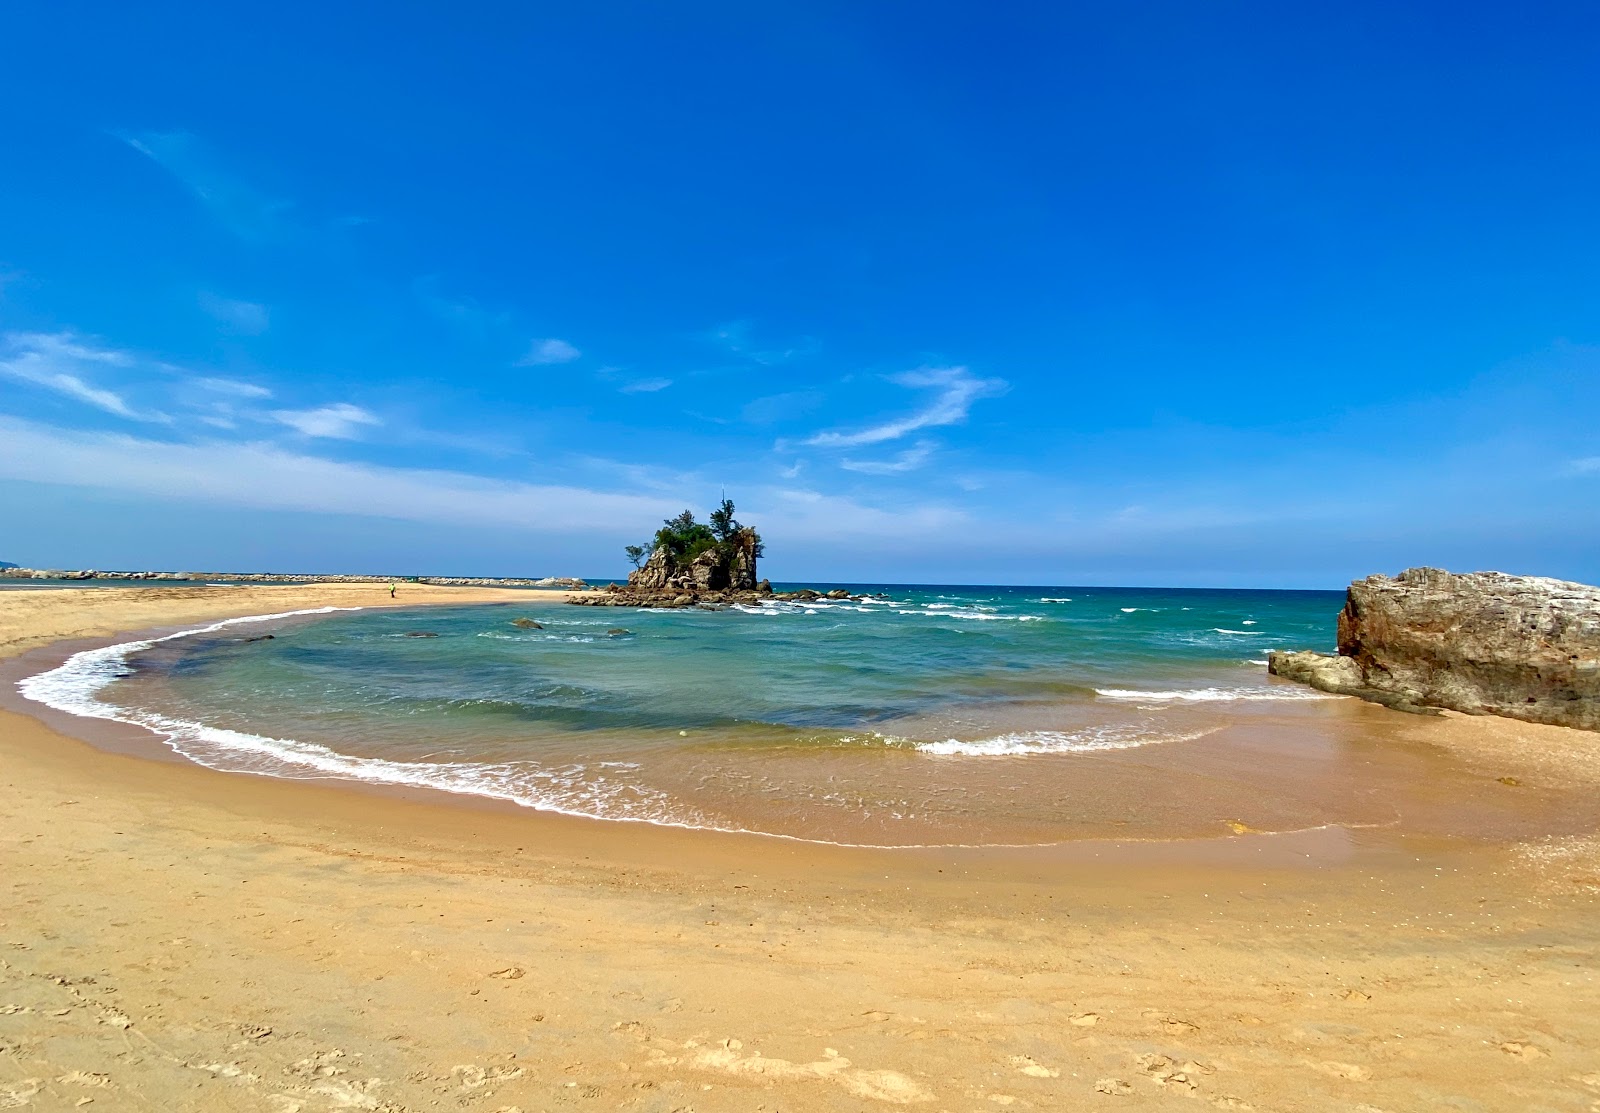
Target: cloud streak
[(244, 211), (268, 477), (340, 421), (645, 386), (909, 460), (247, 318), (957, 390), (58, 362), (548, 351)]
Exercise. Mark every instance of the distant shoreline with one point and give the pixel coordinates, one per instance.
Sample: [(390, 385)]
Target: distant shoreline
[(570, 583)]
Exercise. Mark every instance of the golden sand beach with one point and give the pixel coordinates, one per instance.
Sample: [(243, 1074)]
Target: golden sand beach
[(174, 938)]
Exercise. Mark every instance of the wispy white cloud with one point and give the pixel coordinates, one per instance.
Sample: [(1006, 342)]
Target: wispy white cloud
[(909, 460), (341, 420), (247, 318), (246, 212), (265, 476), (1586, 466), (548, 350), (645, 386), (61, 362), (235, 387), (957, 390)]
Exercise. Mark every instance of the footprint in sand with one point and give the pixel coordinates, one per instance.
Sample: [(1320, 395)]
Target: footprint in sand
[(84, 1078), (1084, 1020), (14, 1095), (470, 1076), (114, 1018), (1348, 1071), (1519, 1050), (1032, 1068), (509, 974), (1112, 1086), (878, 1085)]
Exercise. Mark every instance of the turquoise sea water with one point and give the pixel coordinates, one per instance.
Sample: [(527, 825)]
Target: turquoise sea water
[(926, 714)]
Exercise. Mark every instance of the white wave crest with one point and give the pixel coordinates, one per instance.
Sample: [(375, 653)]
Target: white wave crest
[(75, 685), (1081, 741), (1210, 695), (1049, 600), (1250, 633)]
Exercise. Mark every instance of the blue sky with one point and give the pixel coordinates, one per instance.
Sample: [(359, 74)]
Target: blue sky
[(1154, 294)]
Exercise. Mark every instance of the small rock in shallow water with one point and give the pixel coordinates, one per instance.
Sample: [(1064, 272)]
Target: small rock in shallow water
[(421, 634), (619, 632), (526, 624)]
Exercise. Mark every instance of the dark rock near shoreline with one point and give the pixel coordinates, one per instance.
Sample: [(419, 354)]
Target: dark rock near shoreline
[(526, 624), (421, 634), (1485, 643)]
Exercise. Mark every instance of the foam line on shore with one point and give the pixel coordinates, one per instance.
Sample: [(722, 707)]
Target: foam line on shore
[(1256, 692), (73, 687)]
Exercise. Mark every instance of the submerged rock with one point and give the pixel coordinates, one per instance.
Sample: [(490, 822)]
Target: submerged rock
[(526, 624), (619, 632), (1482, 642), (421, 634)]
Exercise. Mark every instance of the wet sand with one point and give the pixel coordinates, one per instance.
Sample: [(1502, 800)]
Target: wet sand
[(178, 939)]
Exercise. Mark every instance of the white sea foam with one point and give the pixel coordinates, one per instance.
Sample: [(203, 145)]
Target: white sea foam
[(1129, 610), (1248, 622), (73, 686), (1048, 600), (1220, 630), (76, 684), (1209, 695), (974, 615), (1082, 741)]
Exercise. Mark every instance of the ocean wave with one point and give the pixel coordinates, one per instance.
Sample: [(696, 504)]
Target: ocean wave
[(976, 616), (1252, 633), (75, 686), (1209, 695), (1081, 741), (1049, 600)]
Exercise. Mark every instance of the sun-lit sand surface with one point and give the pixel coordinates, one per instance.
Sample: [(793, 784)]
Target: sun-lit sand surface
[(174, 938)]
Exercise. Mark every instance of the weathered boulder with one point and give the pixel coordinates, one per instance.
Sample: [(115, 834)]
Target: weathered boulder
[(525, 623), (1482, 642)]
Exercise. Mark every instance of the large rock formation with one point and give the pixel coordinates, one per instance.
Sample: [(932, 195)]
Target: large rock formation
[(1481, 642)]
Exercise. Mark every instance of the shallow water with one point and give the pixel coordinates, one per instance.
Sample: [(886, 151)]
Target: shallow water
[(924, 716)]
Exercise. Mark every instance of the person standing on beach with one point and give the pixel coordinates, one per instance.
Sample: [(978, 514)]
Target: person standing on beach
[(391, 591)]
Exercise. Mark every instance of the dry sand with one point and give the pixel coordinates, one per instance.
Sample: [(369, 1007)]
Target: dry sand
[(178, 939)]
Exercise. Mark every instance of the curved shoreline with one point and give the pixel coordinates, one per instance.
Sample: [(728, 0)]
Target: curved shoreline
[(72, 688), (444, 784)]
